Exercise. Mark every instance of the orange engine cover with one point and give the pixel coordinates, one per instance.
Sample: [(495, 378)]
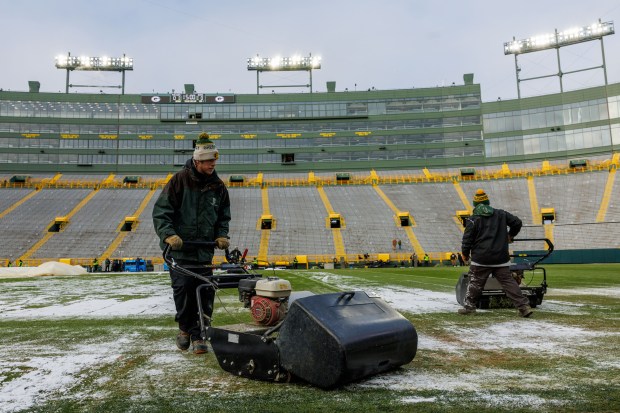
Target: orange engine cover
[(266, 311)]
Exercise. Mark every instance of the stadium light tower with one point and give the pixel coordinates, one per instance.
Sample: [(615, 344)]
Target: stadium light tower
[(556, 40), (283, 64), (109, 64)]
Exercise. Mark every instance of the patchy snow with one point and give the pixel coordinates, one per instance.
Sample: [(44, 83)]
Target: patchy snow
[(529, 335), (413, 399), (27, 381), (430, 343), (415, 379), (413, 300), (87, 296), (97, 308), (416, 300), (482, 384), (563, 307), (92, 296), (51, 373)]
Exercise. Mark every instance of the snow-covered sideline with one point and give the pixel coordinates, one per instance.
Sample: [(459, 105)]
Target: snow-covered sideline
[(47, 268)]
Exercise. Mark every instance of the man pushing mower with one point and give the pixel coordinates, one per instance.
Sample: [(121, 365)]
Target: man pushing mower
[(193, 206), (485, 240)]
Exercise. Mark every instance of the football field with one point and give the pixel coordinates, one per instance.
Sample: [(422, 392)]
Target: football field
[(105, 342)]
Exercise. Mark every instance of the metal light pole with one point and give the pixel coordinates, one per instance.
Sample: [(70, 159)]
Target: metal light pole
[(556, 40), (101, 64), (283, 64)]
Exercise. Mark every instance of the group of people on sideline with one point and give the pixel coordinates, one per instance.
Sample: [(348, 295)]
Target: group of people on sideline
[(10, 263), (456, 260), (108, 265)]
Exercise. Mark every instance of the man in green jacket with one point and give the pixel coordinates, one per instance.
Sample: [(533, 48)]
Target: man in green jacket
[(193, 206)]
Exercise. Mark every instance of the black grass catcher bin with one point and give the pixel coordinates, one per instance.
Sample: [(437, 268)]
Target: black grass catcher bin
[(331, 339)]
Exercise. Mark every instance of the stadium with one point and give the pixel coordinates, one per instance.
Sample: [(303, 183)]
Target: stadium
[(348, 184), (324, 177)]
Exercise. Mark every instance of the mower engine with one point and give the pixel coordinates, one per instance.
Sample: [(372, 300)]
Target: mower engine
[(267, 299)]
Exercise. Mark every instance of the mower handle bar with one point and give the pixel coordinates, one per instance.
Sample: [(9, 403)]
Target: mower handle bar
[(540, 256), (206, 244)]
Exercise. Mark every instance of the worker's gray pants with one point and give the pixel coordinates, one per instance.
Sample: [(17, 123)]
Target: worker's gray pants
[(478, 277)]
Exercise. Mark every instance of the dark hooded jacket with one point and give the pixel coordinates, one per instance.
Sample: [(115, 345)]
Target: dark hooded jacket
[(485, 239), (194, 206)]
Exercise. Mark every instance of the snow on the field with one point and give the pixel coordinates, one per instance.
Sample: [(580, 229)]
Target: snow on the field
[(54, 371), (413, 300), (48, 374), (87, 296)]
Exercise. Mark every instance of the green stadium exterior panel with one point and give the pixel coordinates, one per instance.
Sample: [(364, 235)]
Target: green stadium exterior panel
[(441, 127)]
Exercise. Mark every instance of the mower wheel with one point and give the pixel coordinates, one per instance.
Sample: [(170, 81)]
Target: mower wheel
[(535, 300)]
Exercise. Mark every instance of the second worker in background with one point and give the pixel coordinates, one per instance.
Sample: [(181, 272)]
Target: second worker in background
[(485, 240)]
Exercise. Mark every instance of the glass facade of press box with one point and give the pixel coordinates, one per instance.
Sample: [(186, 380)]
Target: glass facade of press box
[(321, 110), (179, 111), (554, 120), (413, 128), (37, 132)]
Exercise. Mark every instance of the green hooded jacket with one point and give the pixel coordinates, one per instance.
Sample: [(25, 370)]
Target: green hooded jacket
[(196, 207), (485, 239)]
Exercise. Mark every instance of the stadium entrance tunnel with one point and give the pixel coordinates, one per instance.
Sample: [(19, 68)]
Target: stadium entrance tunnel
[(131, 180), (58, 224), (343, 177), (19, 179), (548, 215), (404, 219), (236, 179), (129, 224), (578, 163), (267, 222), (335, 221)]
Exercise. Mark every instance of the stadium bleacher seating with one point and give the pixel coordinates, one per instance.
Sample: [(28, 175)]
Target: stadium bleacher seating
[(300, 214)]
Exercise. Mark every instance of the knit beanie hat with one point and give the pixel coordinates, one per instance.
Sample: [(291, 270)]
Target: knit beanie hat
[(481, 198), (205, 148)]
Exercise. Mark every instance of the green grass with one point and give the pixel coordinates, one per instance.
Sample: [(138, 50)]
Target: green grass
[(140, 370)]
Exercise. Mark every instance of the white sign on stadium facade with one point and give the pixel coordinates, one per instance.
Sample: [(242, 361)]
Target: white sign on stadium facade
[(188, 98)]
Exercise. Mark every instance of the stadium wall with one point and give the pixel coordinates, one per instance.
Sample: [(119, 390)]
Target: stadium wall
[(579, 256)]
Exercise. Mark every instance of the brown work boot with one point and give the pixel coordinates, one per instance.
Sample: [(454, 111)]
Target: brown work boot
[(525, 311), (183, 340), (199, 347), (467, 311)]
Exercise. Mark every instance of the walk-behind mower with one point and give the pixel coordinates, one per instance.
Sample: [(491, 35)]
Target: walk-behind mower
[(525, 271), (324, 339)]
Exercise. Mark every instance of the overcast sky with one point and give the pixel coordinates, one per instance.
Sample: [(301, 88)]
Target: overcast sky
[(385, 44)]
